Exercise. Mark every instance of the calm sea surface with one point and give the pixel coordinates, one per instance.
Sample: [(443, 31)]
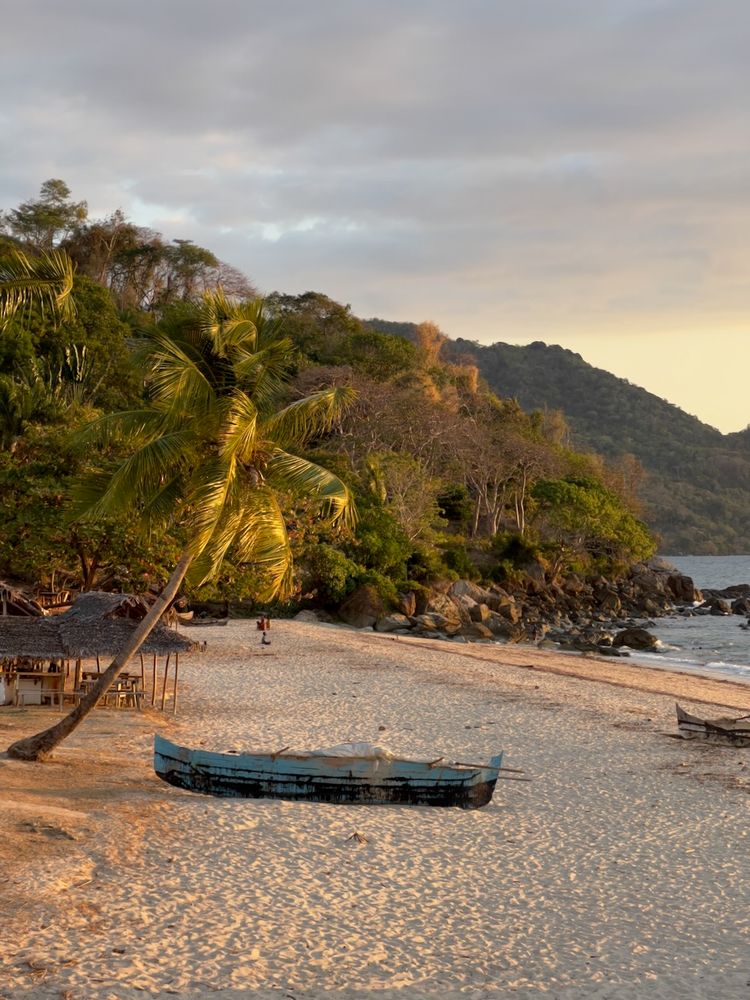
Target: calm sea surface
[(705, 644)]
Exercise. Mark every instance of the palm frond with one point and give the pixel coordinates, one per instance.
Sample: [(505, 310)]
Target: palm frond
[(208, 562), (263, 540), (136, 479), (228, 325), (161, 508), (305, 418), (264, 372), (213, 483), (47, 279), (302, 478), (176, 378), (239, 427), (129, 424)]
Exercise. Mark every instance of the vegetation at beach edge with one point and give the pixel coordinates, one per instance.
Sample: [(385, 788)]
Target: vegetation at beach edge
[(449, 479)]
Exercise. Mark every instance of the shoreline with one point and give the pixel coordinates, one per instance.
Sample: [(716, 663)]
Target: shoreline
[(618, 871), (629, 672)]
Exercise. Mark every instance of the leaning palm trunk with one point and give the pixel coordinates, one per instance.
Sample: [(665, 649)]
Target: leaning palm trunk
[(42, 744)]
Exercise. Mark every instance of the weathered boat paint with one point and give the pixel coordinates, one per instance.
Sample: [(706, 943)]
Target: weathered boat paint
[(325, 778), (726, 731)]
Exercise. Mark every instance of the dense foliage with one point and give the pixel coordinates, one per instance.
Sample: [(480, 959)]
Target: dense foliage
[(696, 487), (449, 478)]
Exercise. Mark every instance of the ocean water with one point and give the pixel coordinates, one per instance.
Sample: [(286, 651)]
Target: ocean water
[(705, 644)]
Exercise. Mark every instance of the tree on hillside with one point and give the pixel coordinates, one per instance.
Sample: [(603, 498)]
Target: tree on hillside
[(89, 352), (42, 224), (586, 520), (211, 454), (429, 338)]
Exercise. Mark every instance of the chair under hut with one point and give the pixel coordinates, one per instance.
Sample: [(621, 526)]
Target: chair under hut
[(72, 645)]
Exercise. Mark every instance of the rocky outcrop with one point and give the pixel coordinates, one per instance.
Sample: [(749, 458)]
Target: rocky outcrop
[(715, 606), (589, 615)]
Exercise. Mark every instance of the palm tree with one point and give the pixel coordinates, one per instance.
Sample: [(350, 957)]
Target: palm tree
[(46, 279), (211, 456)]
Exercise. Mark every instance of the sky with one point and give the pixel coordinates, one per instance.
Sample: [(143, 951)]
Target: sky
[(570, 171)]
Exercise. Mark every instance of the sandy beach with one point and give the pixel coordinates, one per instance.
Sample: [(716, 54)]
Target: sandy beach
[(621, 870)]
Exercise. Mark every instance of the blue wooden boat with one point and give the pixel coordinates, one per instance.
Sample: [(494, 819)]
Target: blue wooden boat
[(327, 776)]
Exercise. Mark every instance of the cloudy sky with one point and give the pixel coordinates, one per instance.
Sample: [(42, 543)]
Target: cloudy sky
[(573, 171)]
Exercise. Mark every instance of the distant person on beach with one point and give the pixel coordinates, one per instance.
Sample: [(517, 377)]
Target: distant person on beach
[(264, 624)]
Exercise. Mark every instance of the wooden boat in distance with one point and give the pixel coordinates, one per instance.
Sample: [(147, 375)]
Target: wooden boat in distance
[(725, 731), (327, 776), (194, 622)]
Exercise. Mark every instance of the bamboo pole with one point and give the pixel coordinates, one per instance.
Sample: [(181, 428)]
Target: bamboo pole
[(174, 694), (153, 686), (164, 685)]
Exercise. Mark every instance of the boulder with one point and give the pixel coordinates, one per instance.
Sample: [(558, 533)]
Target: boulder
[(306, 615), (573, 584), (649, 582), (407, 603), (507, 609), (608, 600), (392, 622), (441, 604), (479, 631), (716, 606), (429, 622), (465, 588), (535, 578), (362, 608), (434, 625), (741, 606), (480, 613), (682, 588), (635, 638)]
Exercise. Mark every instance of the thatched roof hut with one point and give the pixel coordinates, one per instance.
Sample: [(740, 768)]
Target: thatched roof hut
[(97, 624), (14, 602)]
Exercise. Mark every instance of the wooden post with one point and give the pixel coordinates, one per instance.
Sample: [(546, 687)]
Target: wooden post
[(77, 678), (143, 673), (174, 695), (164, 685), (98, 667), (153, 686)]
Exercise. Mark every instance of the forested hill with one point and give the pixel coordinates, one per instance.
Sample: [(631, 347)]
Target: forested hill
[(696, 487)]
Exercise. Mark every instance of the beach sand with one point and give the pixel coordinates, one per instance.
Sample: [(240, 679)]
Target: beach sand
[(620, 871)]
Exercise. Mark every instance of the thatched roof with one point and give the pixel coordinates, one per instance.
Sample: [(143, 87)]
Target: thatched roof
[(97, 624), (14, 602)]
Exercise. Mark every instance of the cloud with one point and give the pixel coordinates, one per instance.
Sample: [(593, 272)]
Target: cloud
[(511, 170)]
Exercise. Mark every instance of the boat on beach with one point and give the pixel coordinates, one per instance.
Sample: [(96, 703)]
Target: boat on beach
[(350, 773), (724, 731), (193, 622)]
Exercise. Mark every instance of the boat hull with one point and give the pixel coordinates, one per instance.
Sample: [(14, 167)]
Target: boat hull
[(724, 732), (324, 779)]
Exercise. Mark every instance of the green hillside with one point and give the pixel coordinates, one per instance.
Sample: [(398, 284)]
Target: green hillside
[(696, 490), (696, 486)]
